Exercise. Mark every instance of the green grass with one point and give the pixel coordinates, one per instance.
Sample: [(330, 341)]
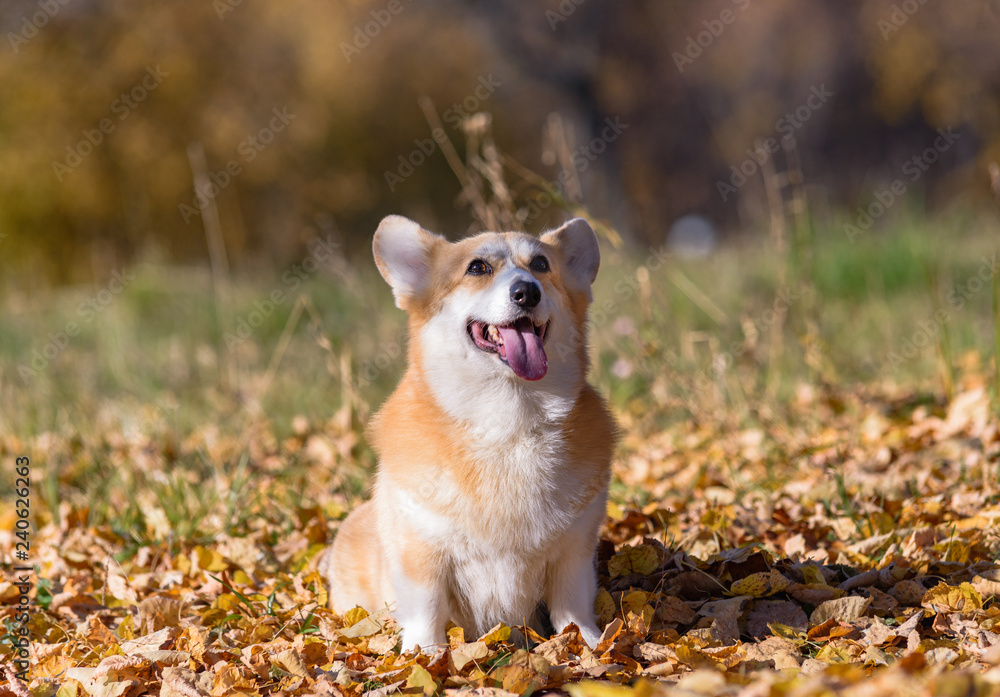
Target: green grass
[(155, 365)]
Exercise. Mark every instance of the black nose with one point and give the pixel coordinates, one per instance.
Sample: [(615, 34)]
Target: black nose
[(525, 294)]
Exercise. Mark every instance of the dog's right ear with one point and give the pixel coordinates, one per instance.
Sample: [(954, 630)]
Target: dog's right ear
[(403, 255)]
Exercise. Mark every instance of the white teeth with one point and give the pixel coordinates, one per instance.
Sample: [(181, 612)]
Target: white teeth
[(494, 335)]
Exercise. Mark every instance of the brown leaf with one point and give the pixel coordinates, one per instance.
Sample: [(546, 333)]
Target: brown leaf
[(725, 615), (660, 670), (839, 652), (456, 637), (912, 661), (383, 643), (193, 640), (846, 609), (830, 629), (15, 684), (987, 583), (892, 574), (882, 602), (761, 584), (672, 609), (813, 593), (604, 607), (518, 679), (877, 633), (102, 686), (783, 653), (166, 658), (119, 664), (611, 633), (739, 555), (941, 655), (525, 673), (96, 632), (366, 626), (499, 633), (464, 654), (991, 656), (643, 560), (359, 662), (654, 653), (767, 612), (558, 648), (159, 611), (422, 680), (690, 653), (693, 584), (232, 678), (183, 682), (291, 662), (120, 588), (725, 625), (962, 598), (908, 592), (911, 625), (868, 578)]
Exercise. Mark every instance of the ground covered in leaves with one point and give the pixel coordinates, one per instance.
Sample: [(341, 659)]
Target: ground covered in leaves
[(849, 545)]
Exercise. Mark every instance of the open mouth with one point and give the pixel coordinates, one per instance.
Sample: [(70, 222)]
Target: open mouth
[(520, 345)]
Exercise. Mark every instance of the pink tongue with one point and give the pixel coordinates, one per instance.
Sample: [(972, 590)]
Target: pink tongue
[(525, 354)]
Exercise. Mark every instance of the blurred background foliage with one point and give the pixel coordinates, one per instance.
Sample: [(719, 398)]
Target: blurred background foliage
[(228, 346), (557, 72)]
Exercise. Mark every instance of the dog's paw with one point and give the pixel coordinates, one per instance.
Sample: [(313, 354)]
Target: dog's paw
[(591, 634), (432, 651), (425, 642)]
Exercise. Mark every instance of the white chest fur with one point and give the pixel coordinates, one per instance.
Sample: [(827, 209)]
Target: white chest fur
[(498, 538), (518, 494)]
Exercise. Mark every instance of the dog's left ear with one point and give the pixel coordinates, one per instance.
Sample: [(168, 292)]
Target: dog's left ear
[(581, 253), (403, 253)]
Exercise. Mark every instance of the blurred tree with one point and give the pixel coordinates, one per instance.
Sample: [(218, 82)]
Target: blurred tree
[(310, 109)]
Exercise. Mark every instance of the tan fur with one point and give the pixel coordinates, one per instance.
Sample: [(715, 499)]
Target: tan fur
[(354, 572), (477, 494)]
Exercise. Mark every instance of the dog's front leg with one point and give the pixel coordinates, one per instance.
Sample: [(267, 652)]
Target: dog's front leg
[(421, 591), (571, 577)]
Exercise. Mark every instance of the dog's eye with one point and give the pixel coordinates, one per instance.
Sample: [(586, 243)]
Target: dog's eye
[(539, 264), (478, 267)]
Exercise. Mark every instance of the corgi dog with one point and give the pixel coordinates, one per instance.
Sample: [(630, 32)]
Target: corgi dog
[(494, 452)]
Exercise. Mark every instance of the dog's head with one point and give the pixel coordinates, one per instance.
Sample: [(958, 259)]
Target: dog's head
[(497, 304)]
